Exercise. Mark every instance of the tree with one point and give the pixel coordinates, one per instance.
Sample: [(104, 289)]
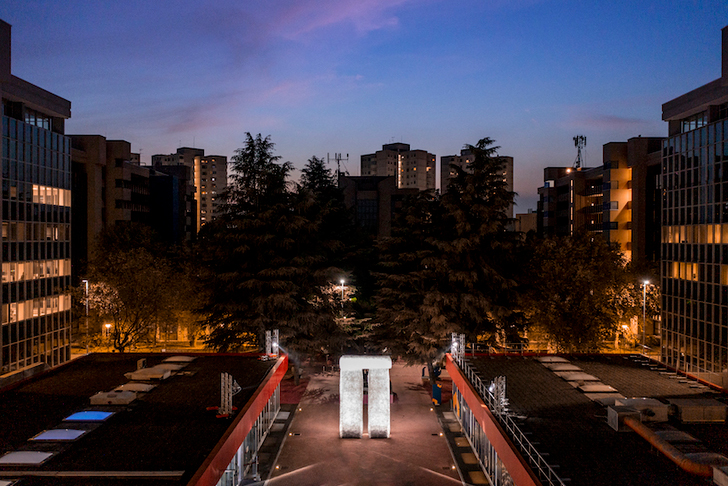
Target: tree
[(268, 259), (258, 180), (319, 179), (410, 325), (449, 266), (580, 289), (477, 252), (132, 285)]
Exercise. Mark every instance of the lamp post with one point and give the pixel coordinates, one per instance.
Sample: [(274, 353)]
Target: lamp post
[(86, 283), (108, 336), (644, 311), (342, 295)]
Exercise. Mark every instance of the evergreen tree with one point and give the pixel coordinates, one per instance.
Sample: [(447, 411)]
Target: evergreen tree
[(450, 264), (477, 252), (319, 179), (258, 180), (266, 261), (410, 325)]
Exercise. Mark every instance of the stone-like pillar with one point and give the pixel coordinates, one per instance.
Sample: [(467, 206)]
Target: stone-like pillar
[(351, 402), (351, 396), (378, 408)]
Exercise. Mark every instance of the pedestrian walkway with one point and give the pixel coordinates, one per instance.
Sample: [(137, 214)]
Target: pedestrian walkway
[(415, 454)]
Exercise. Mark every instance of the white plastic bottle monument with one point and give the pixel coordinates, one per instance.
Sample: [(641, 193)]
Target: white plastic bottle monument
[(351, 396)]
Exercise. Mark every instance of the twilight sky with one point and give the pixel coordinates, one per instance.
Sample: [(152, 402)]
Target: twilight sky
[(325, 76)]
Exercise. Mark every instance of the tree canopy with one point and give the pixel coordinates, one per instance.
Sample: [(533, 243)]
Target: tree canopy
[(449, 265), (267, 261), (135, 285), (580, 289)]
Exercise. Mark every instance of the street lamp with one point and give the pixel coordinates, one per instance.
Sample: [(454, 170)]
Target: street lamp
[(86, 283), (342, 295), (644, 311)]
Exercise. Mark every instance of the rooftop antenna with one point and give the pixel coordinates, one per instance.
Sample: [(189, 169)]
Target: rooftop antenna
[(579, 143), (338, 158)]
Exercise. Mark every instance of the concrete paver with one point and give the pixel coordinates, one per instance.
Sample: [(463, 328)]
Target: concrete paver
[(415, 454)]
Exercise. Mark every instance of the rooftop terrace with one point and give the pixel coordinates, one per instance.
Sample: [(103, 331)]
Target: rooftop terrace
[(569, 427), (161, 437)]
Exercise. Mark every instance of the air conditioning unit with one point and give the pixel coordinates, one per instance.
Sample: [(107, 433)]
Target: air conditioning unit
[(651, 409), (699, 410), (616, 415), (148, 374)]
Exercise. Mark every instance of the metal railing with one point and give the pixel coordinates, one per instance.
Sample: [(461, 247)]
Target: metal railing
[(544, 471)]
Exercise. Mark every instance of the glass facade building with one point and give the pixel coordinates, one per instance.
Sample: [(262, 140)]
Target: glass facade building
[(695, 230), (36, 224), (695, 248)]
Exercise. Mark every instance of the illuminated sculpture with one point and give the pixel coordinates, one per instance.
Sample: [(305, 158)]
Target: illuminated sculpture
[(351, 393)]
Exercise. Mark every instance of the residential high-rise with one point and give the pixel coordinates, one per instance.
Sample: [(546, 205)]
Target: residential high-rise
[(413, 169), (602, 200), (210, 183), (36, 224), (695, 229), (208, 180), (447, 171)]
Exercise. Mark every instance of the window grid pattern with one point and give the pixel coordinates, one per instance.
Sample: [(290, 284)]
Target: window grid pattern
[(36, 219), (695, 249)]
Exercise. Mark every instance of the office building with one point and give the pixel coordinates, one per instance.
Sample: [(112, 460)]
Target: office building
[(449, 162), (412, 169), (695, 229), (141, 419), (604, 200), (36, 224)]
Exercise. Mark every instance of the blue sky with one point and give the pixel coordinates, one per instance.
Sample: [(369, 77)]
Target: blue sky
[(326, 76)]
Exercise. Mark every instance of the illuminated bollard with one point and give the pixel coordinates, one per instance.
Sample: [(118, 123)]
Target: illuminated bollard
[(351, 407), (351, 396)]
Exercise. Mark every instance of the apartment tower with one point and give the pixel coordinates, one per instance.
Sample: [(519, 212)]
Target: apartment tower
[(412, 169)]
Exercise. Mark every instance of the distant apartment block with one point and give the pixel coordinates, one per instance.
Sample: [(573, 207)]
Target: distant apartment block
[(374, 201), (36, 225), (526, 222), (110, 188), (210, 182), (695, 229), (449, 162), (601, 200), (412, 169), (208, 178)]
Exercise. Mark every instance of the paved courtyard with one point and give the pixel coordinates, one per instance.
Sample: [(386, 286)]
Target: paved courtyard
[(415, 454)]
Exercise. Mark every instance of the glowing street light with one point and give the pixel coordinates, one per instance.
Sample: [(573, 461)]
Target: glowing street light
[(644, 310), (86, 283), (342, 295)]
